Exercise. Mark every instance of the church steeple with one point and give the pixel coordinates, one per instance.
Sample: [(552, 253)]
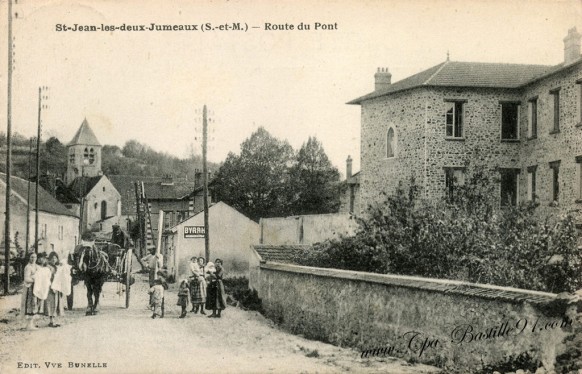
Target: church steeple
[(84, 154)]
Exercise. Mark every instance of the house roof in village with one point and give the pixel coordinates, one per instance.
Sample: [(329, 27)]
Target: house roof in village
[(84, 136), (354, 179), (279, 253), (156, 188), (81, 186), (47, 203), (469, 74)]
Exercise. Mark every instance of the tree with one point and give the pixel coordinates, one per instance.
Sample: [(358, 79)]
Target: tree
[(255, 182), (314, 187), (53, 157)]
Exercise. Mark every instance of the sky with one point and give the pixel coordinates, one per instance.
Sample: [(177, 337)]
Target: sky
[(151, 85)]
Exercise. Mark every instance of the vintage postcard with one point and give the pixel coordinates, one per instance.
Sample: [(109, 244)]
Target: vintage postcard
[(291, 186)]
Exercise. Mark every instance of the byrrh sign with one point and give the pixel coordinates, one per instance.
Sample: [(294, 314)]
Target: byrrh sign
[(194, 231)]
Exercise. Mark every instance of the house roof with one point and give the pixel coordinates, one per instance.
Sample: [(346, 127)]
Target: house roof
[(81, 186), (84, 136), (468, 74), (46, 202), (180, 189), (354, 179), (279, 253)]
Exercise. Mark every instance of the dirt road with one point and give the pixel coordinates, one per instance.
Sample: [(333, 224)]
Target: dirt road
[(120, 340)]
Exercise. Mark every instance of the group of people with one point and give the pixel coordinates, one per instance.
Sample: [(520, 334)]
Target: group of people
[(203, 289), (47, 282)]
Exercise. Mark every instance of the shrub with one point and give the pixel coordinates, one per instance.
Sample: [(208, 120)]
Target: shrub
[(466, 238), (238, 289)]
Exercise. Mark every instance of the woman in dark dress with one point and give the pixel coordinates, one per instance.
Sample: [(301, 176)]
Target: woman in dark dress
[(215, 296)]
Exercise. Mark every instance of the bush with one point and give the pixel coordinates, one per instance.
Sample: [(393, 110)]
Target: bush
[(467, 238), (238, 289)]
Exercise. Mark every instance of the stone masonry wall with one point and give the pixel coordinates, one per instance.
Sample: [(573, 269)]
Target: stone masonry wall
[(546, 147), (423, 151), (445, 323), (405, 113)]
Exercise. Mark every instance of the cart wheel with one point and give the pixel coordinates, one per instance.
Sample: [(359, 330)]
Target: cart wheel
[(128, 277)]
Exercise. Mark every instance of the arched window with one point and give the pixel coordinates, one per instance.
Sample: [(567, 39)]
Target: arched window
[(91, 156), (86, 154), (72, 158), (103, 210), (390, 143)]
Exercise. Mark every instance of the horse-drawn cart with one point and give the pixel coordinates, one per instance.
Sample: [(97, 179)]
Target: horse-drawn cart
[(102, 262)]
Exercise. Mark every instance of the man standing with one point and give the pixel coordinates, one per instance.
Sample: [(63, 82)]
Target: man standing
[(120, 238), (150, 261)]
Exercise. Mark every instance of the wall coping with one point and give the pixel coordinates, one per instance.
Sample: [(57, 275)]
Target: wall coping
[(486, 291)]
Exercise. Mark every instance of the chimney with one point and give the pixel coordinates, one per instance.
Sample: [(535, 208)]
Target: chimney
[(572, 46), (349, 167), (382, 78), (197, 177)]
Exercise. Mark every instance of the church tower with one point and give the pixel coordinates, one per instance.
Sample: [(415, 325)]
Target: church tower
[(84, 154)]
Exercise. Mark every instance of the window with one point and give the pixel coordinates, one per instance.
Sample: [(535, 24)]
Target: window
[(532, 118), (556, 109), (454, 178), (509, 187), (103, 210), (531, 183), (91, 156), (72, 158), (454, 119), (555, 185), (390, 143), (509, 121), (86, 154), (578, 182), (579, 101)]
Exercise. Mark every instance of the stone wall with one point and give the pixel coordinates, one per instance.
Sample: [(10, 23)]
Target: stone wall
[(307, 229), (445, 323)]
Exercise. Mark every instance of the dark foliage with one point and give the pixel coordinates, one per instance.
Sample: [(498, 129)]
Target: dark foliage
[(467, 238), (238, 289), (268, 179)]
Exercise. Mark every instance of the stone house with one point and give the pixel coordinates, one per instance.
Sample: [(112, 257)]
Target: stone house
[(522, 122), (58, 227)]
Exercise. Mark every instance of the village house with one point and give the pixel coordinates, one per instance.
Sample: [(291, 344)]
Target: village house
[(523, 123), (231, 235), (58, 227)]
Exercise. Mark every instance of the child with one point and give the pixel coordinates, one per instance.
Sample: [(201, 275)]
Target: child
[(55, 305), (157, 297), (197, 285), (184, 296), (42, 283)]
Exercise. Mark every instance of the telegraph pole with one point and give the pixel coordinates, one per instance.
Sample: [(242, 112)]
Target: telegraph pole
[(28, 198), (205, 182), (37, 174), (8, 155)]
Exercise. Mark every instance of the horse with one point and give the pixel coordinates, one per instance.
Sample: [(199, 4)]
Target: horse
[(92, 266)]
